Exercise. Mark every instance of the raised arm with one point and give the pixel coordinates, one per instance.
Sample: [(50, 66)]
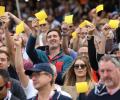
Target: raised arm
[(19, 63), (65, 38), (17, 21), (76, 40), (30, 48), (9, 41)]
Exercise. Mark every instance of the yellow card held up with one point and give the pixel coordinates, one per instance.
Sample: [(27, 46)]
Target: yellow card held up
[(41, 15), (84, 23), (2, 10), (68, 19), (74, 35), (82, 87), (99, 8), (114, 23), (42, 22), (20, 28)]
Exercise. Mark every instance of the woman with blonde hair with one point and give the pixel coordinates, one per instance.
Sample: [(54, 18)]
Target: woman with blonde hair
[(80, 71)]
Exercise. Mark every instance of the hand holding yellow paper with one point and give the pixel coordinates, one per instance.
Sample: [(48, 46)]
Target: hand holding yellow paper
[(2, 10), (114, 23), (81, 87), (99, 8), (20, 28), (84, 23), (41, 15), (68, 19)]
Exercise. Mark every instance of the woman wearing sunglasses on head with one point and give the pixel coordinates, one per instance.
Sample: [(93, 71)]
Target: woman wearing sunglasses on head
[(80, 71)]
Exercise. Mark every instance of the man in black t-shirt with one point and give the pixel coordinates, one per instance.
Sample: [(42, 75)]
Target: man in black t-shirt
[(109, 87)]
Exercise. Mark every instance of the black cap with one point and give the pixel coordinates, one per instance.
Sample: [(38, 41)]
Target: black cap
[(40, 67)]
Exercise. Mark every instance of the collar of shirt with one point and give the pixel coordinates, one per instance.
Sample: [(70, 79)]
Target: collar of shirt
[(8, 97), (50, 96)]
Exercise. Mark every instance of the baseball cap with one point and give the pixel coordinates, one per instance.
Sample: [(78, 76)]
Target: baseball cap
[(40, 67)]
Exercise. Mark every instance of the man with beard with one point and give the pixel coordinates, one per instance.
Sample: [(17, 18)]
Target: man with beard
[(53, 55), (109, 85)]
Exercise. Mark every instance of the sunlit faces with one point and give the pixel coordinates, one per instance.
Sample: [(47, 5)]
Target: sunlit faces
[(67, 28), (83, 32), (53, 40), (109, 74), (3, 61), (3, 89), (41, 79), (80, 68), (44, 27), (83, 51)]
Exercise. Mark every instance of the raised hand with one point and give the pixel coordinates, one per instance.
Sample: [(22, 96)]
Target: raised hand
[(5, 21), (17, 41), (90, 29), (35, 27), (78, 31), (106, 29)]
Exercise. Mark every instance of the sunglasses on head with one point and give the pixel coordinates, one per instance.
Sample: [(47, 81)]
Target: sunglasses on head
[(1, 87), (76, 66)]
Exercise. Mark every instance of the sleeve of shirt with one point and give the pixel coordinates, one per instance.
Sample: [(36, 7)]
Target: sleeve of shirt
[(92, 54), (35, 55), (17, 90), (30, 49), (73, 54), (30, 91), (67, 62)]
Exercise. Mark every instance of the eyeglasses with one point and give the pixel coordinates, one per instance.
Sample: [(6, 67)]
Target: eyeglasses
[(1, 87), (76, 66)]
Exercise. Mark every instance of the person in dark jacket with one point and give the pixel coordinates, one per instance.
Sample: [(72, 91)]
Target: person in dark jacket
[(5, 85), (109, 84), (16, 88), (54, 55), (43, 76)]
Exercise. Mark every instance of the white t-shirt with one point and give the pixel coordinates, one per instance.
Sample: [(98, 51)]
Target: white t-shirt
[(30, 91)]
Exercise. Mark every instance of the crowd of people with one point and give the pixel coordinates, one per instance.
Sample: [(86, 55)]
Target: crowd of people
[(48, 59)]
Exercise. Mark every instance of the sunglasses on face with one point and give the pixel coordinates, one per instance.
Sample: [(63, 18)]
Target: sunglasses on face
[(43, 25), (1, 87), (70, 26), (82, 66)]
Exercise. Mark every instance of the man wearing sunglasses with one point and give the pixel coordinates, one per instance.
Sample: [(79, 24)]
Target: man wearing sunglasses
[(5, 86)]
